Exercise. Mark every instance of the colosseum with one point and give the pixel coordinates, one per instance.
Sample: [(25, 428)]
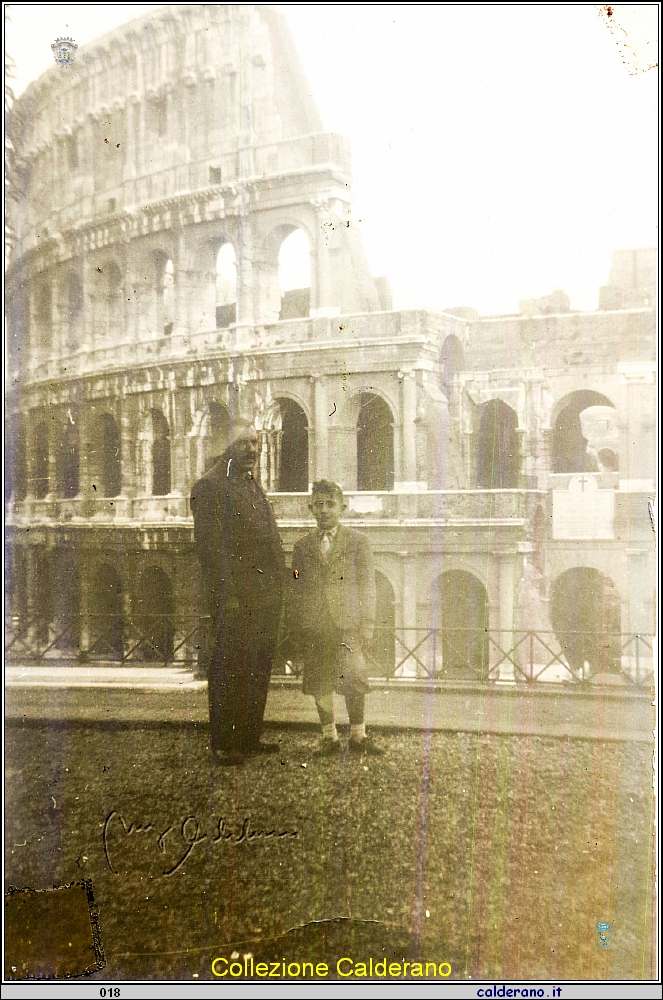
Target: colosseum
[(183, 253)]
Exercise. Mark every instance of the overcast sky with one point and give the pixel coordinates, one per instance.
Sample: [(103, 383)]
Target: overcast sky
[(500, 151)]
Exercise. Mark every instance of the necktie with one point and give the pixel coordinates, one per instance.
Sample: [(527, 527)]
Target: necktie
[(325, 544)]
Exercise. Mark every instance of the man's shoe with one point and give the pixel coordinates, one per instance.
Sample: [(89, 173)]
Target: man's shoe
[(366, 747), (261, 748), (328, 748)]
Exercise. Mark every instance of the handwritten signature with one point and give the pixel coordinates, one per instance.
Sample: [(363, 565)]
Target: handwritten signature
[(191, 832)]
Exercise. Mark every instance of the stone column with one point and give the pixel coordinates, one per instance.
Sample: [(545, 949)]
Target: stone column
[(54, 433), (637, 458), (408, 465), (128, 447), (410, 667), (179, 459), (508, 581), (320, 426)]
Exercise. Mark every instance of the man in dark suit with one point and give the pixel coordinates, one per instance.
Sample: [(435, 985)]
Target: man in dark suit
[(242, 576), (331, 614)]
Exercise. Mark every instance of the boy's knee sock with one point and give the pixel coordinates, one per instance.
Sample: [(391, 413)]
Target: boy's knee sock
[(355, 704), (325, 708)]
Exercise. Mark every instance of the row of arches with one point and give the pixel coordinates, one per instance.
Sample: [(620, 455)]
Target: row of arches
[(585, 616), (584, 438), (144, 618), (283, 452), (107, 289)]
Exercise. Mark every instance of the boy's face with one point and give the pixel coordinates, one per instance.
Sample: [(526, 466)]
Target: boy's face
[(327, 510)]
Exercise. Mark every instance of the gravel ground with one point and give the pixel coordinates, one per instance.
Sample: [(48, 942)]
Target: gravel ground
[(497, 854)]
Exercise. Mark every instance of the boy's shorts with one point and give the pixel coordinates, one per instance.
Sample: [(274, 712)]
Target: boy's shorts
[(333, 661)]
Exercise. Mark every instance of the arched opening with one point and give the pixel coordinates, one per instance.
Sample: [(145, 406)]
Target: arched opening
[(452, 361), (498, 461), (295, 275), (75, 310), (382, 649), (460, 612), (16, 473), (68, 459), (42, 592), (155, 609), (375, 444), (160, 455), (40, 477), (107, 624), (293, 459), (218, 432), (585, 612), (585, 425), (226, 286), (106, 457)]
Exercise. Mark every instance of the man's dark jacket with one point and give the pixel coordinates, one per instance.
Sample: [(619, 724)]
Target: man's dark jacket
[(242, 578)]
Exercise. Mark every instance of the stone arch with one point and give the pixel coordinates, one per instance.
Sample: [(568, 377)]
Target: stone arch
[(153, 615), (105, 456), (460, 614), (226, 285), (107, 618), (570, 449), (275, 302), (109, 309), (585, 612), (293, 446), (161, 478), (294, 272), (40, 460), (382, 649), (375, 443), (498, 448), (452, 362), (68, 458)]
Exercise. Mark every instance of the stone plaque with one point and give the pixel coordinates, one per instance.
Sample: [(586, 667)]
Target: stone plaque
[(367, 504), (583, 512)]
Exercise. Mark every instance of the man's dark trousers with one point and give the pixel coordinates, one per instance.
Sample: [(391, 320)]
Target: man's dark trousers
[(238, 678)]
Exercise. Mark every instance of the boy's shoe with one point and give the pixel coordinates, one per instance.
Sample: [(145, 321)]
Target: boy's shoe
[(366, 747), (328, 748)]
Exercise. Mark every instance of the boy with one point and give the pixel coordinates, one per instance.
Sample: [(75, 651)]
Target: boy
[(331, 616)]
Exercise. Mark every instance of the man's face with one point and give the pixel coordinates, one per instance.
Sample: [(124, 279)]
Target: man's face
[(245, 450), (327, 510)]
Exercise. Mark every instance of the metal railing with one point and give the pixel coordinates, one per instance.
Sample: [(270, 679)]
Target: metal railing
[(166, 640), (456, 656), (497, 656)]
